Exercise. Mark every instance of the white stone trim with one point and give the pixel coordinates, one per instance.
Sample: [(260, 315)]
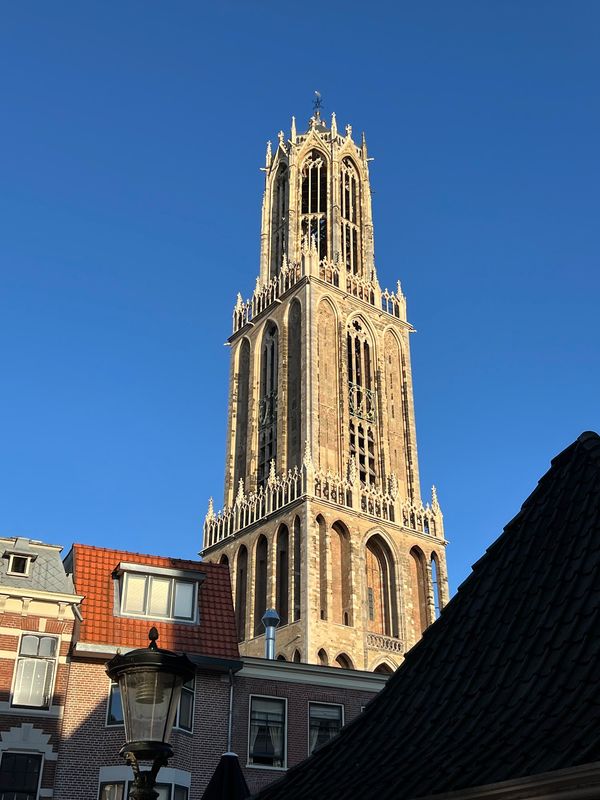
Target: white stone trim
[(29, 739), (312, 674)]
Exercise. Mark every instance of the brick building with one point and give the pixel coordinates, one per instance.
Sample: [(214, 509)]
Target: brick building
[(280, 711), (38, 610), (323, 515)]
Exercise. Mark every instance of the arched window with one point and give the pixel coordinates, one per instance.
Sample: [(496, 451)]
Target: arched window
[(314, 205), (281, 657), (267, 413), (435, 580), (260, 584), (294, 410), (382, 616), (323, 658), (296, 658), (341, 589), (344, 661), (224, 560), (297, 570), (282, 577), (323, 588), (241, 414), (241, 589), (384, 669), (279, 218), (361, 402), (419, 591), (350, 216)]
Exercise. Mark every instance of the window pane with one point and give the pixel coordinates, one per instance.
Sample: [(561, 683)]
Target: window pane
[(325, 723), (164, 791), (186, 709), (47, 646), (184, 600), (267, 731), (112, 791), (20, 772), (135, 591), (159, 597), (29, 645), (115, 706), (180, 793), (31, 683)]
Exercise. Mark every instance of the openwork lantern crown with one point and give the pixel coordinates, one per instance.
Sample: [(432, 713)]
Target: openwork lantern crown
[(150, 681)]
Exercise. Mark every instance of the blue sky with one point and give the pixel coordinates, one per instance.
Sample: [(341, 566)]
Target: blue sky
[(131, 139)]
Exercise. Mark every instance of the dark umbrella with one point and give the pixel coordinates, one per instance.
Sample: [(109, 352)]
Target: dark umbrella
[(227, 782)]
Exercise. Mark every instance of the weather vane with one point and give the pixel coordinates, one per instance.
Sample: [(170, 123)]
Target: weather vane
[(317, 103)]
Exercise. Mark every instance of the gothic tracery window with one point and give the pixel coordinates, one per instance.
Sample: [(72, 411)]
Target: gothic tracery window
[(267, 414), (313, 207), (279, 218), (381, 588), (361, 403), (350, 216)]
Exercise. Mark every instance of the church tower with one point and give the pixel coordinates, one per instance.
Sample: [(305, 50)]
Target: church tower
[(323, 518)]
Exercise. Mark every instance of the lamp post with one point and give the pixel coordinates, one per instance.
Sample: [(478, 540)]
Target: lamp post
[(150, 680)]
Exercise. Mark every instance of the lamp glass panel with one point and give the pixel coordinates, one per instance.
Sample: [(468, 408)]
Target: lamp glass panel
[(150, 699)]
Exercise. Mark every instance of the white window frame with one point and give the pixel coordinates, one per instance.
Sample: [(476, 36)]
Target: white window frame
[(149, 576), (323, 703), (28, 753), (40, 635), (250, 764), (176, 726), (15, 573), (192, 690)]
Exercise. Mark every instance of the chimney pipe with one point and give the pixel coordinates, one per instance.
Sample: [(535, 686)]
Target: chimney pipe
[(270, 620)]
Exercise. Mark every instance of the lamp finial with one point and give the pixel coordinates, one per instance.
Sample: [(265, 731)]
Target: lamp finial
[(153, 636)]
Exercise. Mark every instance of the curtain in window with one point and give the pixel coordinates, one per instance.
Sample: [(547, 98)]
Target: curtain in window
[(325, 723), (266, 731)]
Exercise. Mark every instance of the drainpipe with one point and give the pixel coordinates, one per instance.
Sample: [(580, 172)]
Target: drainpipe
[(230, 719)]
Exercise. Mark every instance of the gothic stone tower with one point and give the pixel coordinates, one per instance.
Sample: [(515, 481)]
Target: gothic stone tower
[(323, 518)]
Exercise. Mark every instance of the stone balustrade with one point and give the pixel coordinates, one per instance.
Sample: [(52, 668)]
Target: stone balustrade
[(282, 490), (364, 289), (377, 641)]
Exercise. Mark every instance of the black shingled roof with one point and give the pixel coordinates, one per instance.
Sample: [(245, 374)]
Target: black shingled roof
[(506, 683)]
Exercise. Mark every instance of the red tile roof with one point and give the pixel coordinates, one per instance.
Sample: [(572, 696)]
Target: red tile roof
[(215, 635)]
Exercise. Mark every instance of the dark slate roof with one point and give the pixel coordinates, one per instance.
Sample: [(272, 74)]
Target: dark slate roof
[(507, 682), (46, 571)]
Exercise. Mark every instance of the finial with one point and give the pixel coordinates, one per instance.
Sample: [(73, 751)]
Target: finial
[(364, 146), (399, 289), (435, 506), (272, 477), (293, 130), (153, 636), (351, 471), (240, 493), (284, 262), (348, 131), (333, 125), (239, 302), (393, 486), (307, 459), (280, 138), (210, 514), (317, 104), (268, 157), (257, 285)]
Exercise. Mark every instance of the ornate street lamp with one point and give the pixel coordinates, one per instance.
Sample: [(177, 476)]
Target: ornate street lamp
[(150, 680)]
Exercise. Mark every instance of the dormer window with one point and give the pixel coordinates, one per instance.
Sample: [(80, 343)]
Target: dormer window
[(156, 593), (18, 564)]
